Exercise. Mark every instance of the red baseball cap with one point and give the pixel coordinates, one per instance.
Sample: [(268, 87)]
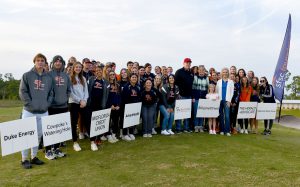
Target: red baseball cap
[(186, 60)]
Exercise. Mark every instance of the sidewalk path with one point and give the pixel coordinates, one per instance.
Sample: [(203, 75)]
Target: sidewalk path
[(289, 121)]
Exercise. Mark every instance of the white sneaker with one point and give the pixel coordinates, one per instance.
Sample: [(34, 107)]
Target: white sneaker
[(81, 136), (110, 139), (246, 131), (222, 133), (149, 135), (210, 132), (196, 129), (94, 146), (201, 129), (242, 131), (228, 134), (145, 135), (131, 136), (170, 132), (214, 132), (76, 146), (126, 138), (165, 132), (115, 138), (103, 138), (153, 131)]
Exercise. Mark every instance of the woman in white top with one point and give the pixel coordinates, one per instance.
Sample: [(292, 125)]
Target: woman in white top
[(77, 103), (225, 89), (212, 95)]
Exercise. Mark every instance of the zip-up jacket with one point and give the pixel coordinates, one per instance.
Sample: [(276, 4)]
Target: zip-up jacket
[(104, 94), (169, 98), (267, 94)]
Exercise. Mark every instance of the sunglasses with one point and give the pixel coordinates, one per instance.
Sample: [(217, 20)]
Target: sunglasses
[(262, 81)]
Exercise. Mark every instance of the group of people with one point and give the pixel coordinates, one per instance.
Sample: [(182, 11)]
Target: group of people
[(87, 86)]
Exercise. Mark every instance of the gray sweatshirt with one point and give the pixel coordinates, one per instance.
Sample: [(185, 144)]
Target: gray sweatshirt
[(61, 88), (78, 92), (36, 91)]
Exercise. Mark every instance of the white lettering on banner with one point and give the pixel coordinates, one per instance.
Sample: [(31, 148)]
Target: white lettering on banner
[(208, 108), (132, 114), (247, 110), (18, 135), (56, 128), (266, 111), (183, 109), (100, 122)]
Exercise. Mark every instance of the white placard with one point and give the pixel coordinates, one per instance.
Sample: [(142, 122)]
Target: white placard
[(18, 135), (208, 108), (266, 111), (183, 109), (132, 114), (100, 122), (56, 128), (247, 110)]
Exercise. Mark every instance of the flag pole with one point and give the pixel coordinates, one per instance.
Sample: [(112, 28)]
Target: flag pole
[(280, 106)]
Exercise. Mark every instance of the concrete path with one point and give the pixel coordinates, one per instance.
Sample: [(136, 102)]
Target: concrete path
[(289, 121)]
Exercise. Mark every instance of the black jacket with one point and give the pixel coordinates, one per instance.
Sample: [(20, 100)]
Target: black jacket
[(184, 81)]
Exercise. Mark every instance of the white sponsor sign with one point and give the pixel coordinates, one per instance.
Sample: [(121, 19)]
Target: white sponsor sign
[(18, 135), (266, 111), (132, 114), (56, 128), (247, 110), (183, 109), (100, 122), (208, 108)]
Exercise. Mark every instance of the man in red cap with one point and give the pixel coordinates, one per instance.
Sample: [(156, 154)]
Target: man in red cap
[(184, 80)]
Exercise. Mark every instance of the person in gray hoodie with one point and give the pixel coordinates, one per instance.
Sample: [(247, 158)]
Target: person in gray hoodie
[(36, 93), (61, 90)]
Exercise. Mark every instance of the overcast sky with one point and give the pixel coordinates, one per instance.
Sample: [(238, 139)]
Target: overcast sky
[(215, 33)]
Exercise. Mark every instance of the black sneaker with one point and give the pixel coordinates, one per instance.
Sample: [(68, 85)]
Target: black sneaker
[(59, 153), (178, 131), (264, 133), (269, 132), (36, 161), (26, 164)]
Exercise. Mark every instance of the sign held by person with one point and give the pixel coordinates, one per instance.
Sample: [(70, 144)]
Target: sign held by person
[(183, 109), (247, 110), (266, 111), (56, 128), (208, 108), (18, 135), (100, 122), (132, 114)]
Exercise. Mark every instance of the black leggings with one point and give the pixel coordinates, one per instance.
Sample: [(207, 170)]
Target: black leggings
[(241, 122), (233, 115), (85, 114), (53, 111), (270, 124), (114, 118)]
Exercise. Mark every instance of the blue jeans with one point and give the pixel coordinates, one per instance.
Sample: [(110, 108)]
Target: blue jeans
[(224, 117), (168, 118), (148, 112), (198, 122), (185, 121)]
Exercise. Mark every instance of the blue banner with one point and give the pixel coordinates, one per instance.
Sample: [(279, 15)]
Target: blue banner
[(281, 68)]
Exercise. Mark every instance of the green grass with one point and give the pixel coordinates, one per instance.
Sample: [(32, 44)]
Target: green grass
[(180, 160), (295, 112)]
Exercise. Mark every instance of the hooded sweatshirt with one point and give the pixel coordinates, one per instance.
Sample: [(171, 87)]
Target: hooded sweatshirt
[(36, 91), (61, 87)]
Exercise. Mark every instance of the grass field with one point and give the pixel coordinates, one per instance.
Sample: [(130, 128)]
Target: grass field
[(180, 160)]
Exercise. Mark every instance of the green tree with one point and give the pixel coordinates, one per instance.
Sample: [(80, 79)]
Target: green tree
[(294, 87)]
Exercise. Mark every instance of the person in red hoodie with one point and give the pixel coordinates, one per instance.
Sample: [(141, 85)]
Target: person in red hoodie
[(246, 92)]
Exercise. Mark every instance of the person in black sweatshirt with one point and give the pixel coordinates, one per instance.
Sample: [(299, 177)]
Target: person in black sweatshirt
[(184, 80), (149, 100), (61, 90), (131, 93), (114, 102), (36, 93)]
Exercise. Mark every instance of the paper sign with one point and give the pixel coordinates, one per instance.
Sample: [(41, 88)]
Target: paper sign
[(132, 114), (56, 128), (18, 135), (100, 122), (183, 109), (247, 110), (266, 111), (208, 108)]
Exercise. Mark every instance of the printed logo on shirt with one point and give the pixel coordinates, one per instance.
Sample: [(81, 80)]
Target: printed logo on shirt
[(148, 97), (38, 85), (59, 81), (98, 85), (133, 93), (171, 94)]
